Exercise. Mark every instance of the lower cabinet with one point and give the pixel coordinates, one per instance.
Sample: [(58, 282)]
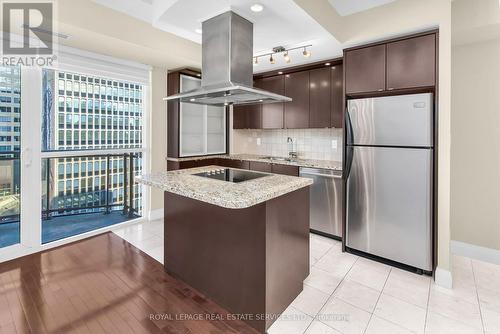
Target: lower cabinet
[(285, 169), (260, 166), (241, 164)]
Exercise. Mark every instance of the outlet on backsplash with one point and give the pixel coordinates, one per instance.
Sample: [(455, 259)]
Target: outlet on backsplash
[(320, 144)]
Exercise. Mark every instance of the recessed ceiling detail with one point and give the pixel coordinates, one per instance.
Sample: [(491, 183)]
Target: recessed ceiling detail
[(348, 7), (281, 22)]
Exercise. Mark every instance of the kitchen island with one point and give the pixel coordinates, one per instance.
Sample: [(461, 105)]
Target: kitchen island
[(241, 238)]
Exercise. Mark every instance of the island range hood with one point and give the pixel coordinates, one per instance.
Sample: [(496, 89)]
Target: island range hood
[(227, 53)]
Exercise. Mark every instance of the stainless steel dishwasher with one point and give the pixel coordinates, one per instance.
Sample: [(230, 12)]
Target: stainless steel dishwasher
[(325, 201)]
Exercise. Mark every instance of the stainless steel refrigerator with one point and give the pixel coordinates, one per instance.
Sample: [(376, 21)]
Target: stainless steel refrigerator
[(389, 165)]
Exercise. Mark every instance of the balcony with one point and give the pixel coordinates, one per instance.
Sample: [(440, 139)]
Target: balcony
[(94, 191)]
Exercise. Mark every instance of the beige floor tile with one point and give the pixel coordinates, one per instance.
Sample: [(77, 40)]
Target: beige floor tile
[(491, 321), (344, 317), (438, 324), (368, 276), (317, 327), (381, 326), (291, 321), (337, 264), (461, 290), (401, 313), (358, 295), (310, 300), (322, 280), (409, 287), (455, 308), (489, 299)]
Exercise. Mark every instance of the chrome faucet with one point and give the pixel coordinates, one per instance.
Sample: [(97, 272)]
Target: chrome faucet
[(292, 154)]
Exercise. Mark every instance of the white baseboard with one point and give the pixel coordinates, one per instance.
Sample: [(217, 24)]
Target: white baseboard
[(155, 214), (475, 252), (443, 278)]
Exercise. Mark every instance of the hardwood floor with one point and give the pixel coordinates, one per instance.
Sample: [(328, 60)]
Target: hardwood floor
[(102, 285)]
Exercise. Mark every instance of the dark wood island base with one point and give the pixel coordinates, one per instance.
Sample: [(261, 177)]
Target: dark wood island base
[(252, 261)]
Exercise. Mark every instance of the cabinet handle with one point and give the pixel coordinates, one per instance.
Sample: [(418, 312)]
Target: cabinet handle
[(390, 89), (380, 90)]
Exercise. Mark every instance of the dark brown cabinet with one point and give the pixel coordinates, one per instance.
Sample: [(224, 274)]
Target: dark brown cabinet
[(337, 96), (241, 164), (320, 102), (285, 169), (365, 69), (297, 111), (317, 94), (247, 117), (406, 63), (271, 113), (260, 166), (411, 63)]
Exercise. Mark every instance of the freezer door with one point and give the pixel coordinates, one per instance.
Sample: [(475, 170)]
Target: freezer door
[(404, 120), (389, 204)]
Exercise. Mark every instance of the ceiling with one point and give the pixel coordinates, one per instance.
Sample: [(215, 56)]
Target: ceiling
[(348, 7), (281, 23)]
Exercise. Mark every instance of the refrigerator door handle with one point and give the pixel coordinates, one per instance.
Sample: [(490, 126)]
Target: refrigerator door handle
[(349, 152)]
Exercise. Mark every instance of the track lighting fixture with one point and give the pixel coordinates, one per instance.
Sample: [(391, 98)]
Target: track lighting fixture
[(272, 60), (286, 57), (306, 53)]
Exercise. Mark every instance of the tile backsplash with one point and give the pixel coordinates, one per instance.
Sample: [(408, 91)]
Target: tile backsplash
[(320, 144)]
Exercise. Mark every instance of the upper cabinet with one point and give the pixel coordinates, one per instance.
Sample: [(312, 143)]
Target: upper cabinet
[(365, 70), (317, 94), (411, 63), (337, 96), (320, 97), (272, 113), (193, 129), (297, 111), (402, 64)]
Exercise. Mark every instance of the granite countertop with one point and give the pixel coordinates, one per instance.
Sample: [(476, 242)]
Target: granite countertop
[(221, 193), (324, 164)]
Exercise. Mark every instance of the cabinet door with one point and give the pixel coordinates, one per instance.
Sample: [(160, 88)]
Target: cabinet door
[(240, 117), (233, 163), (411, 63), (297, 111), (365, 69), (260, 166), (272, 113), (337, 95), (320, 98), (285, 169)]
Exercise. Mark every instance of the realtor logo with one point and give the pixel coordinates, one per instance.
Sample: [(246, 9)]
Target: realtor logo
[(33, 21)]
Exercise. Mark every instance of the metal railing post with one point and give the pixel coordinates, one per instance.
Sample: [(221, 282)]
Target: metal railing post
[(47, 203), (131, 182), (125, 208), (108, 179)]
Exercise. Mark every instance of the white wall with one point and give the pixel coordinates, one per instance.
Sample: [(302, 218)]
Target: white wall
[(158, 133), (475, 155)]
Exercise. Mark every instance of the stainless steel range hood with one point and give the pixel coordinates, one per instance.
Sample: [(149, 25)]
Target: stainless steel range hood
[(227, 53)]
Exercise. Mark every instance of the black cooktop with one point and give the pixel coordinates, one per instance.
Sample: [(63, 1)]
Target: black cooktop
[(231, 175)]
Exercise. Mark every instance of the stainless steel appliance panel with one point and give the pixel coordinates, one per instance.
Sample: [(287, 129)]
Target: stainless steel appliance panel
[(404, 120), (389, 200), (325, 200)]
